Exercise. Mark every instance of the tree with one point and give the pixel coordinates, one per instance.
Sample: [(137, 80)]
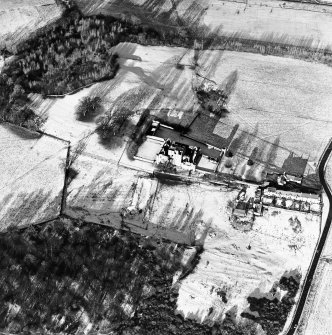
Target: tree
[(88, 108), (110, 124)]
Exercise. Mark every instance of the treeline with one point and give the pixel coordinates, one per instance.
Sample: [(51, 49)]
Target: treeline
[(59, 277), (62, 276), (73, 52)]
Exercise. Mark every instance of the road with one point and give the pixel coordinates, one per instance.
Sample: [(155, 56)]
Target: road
[(321, 243)]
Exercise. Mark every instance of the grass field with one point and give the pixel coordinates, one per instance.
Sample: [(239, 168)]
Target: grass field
[(31, 176), (226, 263), (19, 18)]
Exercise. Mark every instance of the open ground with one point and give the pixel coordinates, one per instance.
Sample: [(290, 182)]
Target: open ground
[(32, 176)]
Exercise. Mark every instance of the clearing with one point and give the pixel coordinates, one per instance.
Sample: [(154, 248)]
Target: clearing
[(31, 176)]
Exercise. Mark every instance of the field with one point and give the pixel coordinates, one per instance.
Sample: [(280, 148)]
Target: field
[(100, 190), (19, 18), (31, 176), (226, 263), (268, 21)]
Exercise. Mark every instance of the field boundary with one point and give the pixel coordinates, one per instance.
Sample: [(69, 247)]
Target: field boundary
[(65, 184)]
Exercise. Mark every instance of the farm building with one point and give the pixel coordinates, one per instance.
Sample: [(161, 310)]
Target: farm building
[(179, 154), (297, 201), (294, 168), (258, 209)]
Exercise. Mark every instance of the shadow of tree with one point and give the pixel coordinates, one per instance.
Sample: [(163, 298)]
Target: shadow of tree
[(23, 133), (29, 208)]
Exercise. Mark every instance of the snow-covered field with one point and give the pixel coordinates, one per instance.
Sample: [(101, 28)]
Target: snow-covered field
[(227, 264), (19, 18), (319, 319), (279, 99), (102, 190), (271, 21), (267, 20), (31, 176)]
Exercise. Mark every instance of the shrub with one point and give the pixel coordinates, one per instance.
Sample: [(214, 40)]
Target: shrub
[(179, 66), (111, 123), (250, 162), (88, 108), (167, 167)]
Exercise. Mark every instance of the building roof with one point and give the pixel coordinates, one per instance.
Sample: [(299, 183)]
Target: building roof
[(187, 152), (239, 212), (295, 165)]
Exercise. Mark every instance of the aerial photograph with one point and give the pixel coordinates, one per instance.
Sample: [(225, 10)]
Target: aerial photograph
[(165, 167)]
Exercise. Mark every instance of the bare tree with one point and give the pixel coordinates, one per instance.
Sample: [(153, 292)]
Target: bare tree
[(111, 123), (88, 108)]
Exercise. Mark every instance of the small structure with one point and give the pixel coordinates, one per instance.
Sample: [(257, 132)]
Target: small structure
[(258, 196), (281, 180), (154, 127), (240, 209), (267, 200), (181, 155), (293, 178), (258, 209)]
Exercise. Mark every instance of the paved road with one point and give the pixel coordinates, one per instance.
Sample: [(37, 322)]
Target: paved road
[(314, 263)]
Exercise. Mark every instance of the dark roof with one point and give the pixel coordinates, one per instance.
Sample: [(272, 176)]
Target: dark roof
[(295, 165), (241, 205), (202, 129)]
